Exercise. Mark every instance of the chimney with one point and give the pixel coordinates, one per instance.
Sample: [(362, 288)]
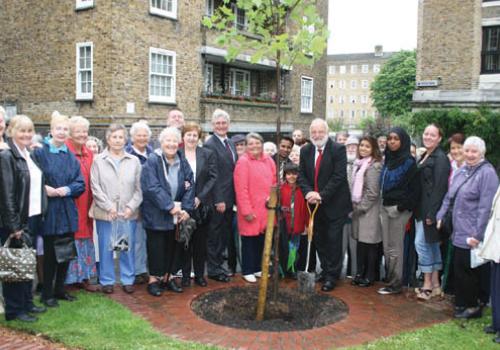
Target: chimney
[(379, 50)]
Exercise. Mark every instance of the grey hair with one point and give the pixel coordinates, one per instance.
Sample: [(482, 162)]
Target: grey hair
[(116, 127), (138, 126), (78, 120), (171, 130), (320, 121), (220, 113), (476, 142), (254, 135)]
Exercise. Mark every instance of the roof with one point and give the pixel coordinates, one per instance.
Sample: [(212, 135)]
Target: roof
[(359, 56)]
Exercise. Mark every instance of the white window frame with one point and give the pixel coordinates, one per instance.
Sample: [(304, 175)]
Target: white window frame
[(352, 99), (354, 69), (341, 84), (209, 7), (364, 99), (236, 23), (332, 98), (209, 78), (80, 95), (365, 84), (331, 70), (154, 10), (363, 113), (341, 114), (84, 4), (332, 84), (341, 99), (342, 69), (354, 84), (365, 68), (160, 98), (246, 76), (376, 68), (304, 108)]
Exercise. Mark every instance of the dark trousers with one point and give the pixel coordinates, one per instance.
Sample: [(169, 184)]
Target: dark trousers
[(196, 254), (51, 268), (328, 241), (495, 295), (251, 254), (410, 257), (219, 234), (164, 252), (18, 296), (467, 280), (366, 259)]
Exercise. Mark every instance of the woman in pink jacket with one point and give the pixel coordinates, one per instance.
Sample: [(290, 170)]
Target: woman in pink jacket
[(253, 177)]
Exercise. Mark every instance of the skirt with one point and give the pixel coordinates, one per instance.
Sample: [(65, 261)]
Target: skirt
[(83, 267)]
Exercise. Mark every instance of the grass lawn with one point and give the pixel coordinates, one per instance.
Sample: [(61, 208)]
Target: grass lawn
[(456, 335), (97, 322)]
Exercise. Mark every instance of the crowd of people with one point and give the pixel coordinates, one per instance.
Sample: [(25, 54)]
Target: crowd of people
[(387, 211)]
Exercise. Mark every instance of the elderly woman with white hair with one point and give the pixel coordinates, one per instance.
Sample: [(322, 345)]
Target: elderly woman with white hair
[(63, 183), (168, 189), (469, 199), (116, 187), (140, 135), (82, 269)]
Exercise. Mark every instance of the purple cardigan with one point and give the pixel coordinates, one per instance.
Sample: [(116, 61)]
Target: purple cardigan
[(472, 204)]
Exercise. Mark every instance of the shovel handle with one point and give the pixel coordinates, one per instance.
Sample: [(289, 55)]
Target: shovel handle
[(311, 221)]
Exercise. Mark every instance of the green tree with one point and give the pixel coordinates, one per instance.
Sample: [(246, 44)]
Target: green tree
[(289, 32), (392, 88)]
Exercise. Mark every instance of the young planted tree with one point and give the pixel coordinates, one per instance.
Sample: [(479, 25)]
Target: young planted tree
[(288, 32)]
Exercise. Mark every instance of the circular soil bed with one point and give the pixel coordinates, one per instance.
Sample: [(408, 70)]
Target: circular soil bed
[(236, 307)]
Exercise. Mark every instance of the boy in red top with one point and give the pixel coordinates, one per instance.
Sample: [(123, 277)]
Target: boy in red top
[(294, 219)]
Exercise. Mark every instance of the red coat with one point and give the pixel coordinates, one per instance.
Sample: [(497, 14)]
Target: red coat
[(300, 213), (253, 179), (85, 158)]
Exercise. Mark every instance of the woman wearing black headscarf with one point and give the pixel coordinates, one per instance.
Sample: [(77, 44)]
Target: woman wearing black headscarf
[(400, 187)]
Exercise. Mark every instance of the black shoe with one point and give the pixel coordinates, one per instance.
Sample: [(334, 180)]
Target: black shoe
[(355, 280), (489, 330), (364, 282), (52, 302), (186, 282), (220, 278), (37, 309), (66, 296), (328, 286), (470, 312), (320, 278), (172, 285), (389, 290), (154, 289), (201, 281), (22, 318)]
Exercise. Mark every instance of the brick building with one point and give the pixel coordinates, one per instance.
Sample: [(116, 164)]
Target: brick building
[(124, 60), (458, 54), (348, 85)]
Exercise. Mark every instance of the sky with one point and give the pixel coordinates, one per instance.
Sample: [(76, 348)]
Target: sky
[(358, 25)]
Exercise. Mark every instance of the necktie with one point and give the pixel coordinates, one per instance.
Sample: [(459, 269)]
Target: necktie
[(229, 149), (316, 169)]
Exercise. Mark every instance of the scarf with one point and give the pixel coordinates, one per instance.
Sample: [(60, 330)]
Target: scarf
[(394, 159), (358, 176)]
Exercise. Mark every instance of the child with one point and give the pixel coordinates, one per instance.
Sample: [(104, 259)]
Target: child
[(294, 218)]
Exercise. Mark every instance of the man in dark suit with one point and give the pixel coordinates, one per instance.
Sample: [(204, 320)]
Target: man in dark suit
[(220, 233), (323, 179)]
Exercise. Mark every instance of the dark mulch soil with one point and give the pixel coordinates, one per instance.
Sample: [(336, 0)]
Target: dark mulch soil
[(236, 307)]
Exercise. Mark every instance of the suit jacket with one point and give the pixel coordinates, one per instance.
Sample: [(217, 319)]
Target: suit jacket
[(332, 178), (224, 186), (206, 174)]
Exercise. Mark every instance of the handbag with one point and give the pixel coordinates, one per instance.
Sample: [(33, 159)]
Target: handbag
[(184, 231), (17, 264), (65, 249), (120, 235), (475, 259), (201, 214), (447, 221)]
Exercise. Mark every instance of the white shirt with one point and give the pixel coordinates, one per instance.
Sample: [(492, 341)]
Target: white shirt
[(192, 164), (35, 205)]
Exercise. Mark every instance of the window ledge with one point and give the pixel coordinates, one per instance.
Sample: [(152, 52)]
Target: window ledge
[(162, 102), (163, 14), (84, 98), (222, 100), (491, 3)]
